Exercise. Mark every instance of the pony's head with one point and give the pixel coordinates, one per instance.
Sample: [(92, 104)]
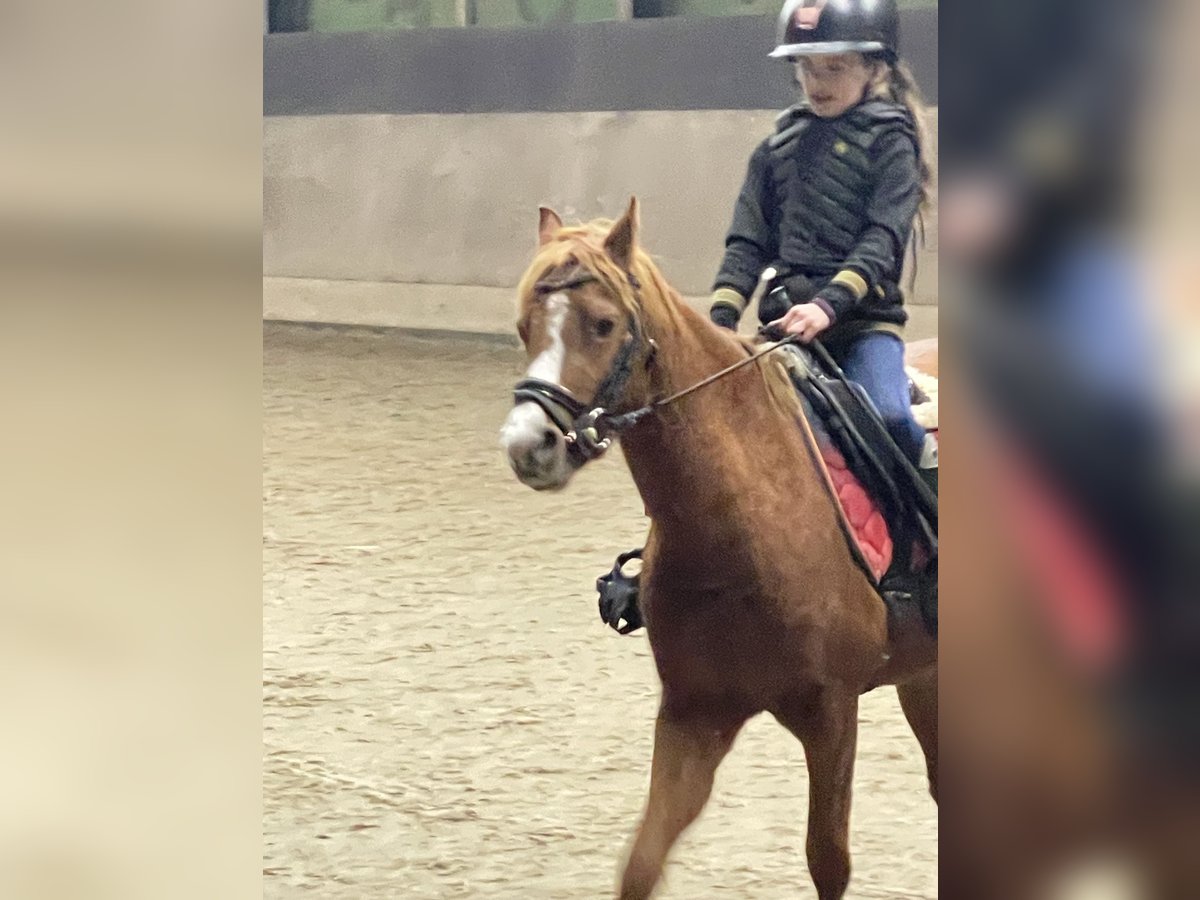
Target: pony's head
[(580, 319)]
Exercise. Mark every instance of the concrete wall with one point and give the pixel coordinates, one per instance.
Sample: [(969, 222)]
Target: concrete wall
[(406, 212), (427, 220)]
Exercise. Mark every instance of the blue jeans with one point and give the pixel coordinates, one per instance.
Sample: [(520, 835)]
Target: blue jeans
[(875, 359)]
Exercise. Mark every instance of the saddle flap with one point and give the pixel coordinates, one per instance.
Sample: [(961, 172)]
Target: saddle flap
[(865, 471)]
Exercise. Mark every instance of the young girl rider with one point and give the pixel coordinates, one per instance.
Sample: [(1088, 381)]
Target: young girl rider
[(829, 200)]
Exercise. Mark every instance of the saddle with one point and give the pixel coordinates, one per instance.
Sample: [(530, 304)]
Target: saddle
[(887, 510)]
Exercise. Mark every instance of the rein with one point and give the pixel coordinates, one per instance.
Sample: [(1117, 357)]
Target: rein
[(625, 420)]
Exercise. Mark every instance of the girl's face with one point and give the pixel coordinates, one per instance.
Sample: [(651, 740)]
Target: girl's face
[(833, 83)]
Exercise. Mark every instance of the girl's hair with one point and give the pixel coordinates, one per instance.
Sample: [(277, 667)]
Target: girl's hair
[(894, 81)]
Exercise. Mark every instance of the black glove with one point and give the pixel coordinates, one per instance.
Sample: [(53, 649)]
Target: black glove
[(727, 307), (724, 316)]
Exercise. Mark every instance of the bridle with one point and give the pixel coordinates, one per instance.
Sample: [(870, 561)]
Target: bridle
[(588, 434), (589, 428)]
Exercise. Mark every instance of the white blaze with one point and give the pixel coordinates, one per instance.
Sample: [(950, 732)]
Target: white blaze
[(549, 363), (526, 421)]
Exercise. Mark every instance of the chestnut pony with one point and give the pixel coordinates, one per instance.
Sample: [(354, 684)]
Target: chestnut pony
[(751, 598)]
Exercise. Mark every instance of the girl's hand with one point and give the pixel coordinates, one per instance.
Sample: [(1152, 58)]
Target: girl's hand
[(806, 320)]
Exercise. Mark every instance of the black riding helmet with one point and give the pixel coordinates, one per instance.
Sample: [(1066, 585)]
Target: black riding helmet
[(812, 27)]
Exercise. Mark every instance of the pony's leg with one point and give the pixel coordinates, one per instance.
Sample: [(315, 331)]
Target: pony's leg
[(686, 755), (919, 700), (828, 728)]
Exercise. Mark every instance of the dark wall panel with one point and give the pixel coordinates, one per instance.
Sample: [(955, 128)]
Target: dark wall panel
[(675, 63)]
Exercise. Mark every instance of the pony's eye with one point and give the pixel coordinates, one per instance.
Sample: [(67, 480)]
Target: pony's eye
[(604, 327)]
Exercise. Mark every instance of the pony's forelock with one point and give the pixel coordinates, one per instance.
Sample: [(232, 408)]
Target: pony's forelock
[(584, 245)]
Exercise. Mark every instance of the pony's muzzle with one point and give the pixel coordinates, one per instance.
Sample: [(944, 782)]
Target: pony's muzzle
[(536, 448)]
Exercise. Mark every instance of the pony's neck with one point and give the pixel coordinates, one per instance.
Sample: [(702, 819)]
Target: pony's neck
[(706, 465)]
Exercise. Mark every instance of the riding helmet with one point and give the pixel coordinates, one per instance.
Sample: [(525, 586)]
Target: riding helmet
[(812, 27)]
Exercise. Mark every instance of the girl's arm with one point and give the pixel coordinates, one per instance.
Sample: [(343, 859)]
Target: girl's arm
[(751, 243)]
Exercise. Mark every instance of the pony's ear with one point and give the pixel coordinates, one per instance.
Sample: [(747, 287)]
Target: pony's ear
[(622, 240), (548, 224)]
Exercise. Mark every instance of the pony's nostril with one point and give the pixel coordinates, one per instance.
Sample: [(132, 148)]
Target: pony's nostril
[(549, 438)]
